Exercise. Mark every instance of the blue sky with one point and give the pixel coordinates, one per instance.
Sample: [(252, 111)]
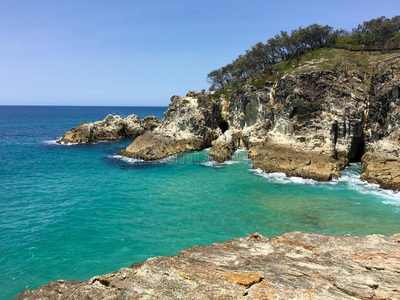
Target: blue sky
[(82, 52)]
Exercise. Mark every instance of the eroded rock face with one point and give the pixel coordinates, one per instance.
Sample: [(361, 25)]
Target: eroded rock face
[(307, 125), (292, 266), (381, 163), (109, 129), (189, 124), (293, 161)]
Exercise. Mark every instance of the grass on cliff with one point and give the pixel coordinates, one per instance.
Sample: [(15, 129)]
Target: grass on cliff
[(226, 91), (318, 60), (328, 59)]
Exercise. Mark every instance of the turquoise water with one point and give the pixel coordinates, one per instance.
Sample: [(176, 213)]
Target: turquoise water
[(71, 212)]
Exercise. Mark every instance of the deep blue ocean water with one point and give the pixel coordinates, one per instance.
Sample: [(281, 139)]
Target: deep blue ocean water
[(72, 212)]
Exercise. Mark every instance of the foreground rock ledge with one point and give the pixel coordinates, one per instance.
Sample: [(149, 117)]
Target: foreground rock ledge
[(292, 266)]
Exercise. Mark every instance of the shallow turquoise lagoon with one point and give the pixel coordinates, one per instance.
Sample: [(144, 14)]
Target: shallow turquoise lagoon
[(71, 212)]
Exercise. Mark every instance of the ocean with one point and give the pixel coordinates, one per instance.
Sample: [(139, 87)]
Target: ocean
[(72, 212)]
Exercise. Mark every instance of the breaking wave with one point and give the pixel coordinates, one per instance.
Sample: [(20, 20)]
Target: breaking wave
[(54, 142), (135, 160), (349, 179)]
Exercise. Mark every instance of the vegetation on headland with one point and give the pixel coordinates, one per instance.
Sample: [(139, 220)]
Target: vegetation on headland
[(321, 44)]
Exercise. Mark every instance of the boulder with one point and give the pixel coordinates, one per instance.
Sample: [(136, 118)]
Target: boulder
[(79, 134), (381, 169), (226, 144), (293, 161)]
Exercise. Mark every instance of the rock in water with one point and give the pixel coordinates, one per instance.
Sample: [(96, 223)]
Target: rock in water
[(109, 129), (188, 125), (153, 146), (225, 146), (293, 266), (293, 161)]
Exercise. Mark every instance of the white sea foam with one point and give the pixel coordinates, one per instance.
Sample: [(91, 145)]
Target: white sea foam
[(349, 178), (282, 178), (127, 159), (54, 142), (69, 144), (167, 159), (211, 163), (135, 160), (50, 142), (214, 164)]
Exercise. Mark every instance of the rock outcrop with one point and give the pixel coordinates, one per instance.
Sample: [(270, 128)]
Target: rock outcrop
[(314, 125), (293, 161), (110, 129), (226, 144), (292, 266), (190, 123), (381, 163)]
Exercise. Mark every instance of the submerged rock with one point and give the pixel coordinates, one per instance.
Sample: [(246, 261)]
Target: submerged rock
[(109, 129), (293, 266)]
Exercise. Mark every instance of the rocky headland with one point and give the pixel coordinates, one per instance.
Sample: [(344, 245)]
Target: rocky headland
[(110, 129), (292, 266), (308, 120)]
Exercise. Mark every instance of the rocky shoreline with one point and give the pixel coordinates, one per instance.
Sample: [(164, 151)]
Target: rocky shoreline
[(309, 124), (292, 266), (110, 129)]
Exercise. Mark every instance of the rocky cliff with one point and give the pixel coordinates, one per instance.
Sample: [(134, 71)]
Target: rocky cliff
[(310, 119), (292, 266)]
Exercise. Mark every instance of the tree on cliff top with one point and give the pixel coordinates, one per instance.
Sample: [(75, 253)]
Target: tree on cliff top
[(261, 56), (380, 32)]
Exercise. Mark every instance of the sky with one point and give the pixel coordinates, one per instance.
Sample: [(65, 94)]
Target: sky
[(140, 53)]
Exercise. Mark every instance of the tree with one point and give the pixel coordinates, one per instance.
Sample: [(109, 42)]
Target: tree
[(380, 31)]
